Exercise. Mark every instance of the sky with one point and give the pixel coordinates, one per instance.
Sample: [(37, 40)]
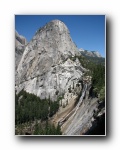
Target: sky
[(87, 31)]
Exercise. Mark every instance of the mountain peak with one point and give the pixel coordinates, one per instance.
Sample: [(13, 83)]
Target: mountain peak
[(89, 53), (55, 26), (20, 43), (20, 40), (96, 53), (48, 54), (56, 21)]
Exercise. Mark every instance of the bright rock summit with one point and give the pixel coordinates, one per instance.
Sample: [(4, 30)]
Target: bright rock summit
[(46, 68)]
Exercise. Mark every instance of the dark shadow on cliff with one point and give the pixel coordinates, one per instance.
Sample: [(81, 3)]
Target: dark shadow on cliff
[(98, 126)]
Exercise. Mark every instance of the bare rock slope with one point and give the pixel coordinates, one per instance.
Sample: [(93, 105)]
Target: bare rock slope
[(46, 68), (20, 43)]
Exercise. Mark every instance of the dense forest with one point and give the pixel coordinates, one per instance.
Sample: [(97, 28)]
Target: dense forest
[(96, 69), (29, 108), (96, 60), (47, 129)]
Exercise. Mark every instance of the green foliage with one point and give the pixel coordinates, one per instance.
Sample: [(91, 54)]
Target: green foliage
[(96, 69), (102, 94), (89, 62), (61, 102), (96, 60), (54, 106), (47, 129), (29, 107), (98, 77), (60, 97), (86, 63)]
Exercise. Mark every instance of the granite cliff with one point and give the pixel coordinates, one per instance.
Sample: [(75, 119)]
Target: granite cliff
[(20, 43), (46, 68), (49, 66)]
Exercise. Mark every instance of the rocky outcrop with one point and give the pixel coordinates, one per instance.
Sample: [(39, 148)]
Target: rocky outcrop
[(85, 117), (89, 53), (20, 43), (46, 68), (81, 122)]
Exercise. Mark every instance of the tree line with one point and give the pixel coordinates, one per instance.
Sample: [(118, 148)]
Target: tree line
[(96, 69), (29, 107), (47, 129)]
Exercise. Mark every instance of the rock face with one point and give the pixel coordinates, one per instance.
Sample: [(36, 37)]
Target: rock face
[(20, 43), (82, 120), (89, 53), (46, 68), (85, 117)]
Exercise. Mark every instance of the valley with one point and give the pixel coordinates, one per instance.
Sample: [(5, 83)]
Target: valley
[(58, 89)]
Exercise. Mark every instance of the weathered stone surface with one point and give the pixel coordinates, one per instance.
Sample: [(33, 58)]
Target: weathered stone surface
[(19, 39), (90, 53), (82, 120), (20, 43), (45, 68)]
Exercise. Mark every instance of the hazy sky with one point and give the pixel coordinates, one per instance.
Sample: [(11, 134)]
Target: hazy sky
[(87, 31)]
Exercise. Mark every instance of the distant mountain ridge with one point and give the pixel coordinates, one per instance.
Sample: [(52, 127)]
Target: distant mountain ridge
[(90, 53), (53, 83), (20, 43)]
